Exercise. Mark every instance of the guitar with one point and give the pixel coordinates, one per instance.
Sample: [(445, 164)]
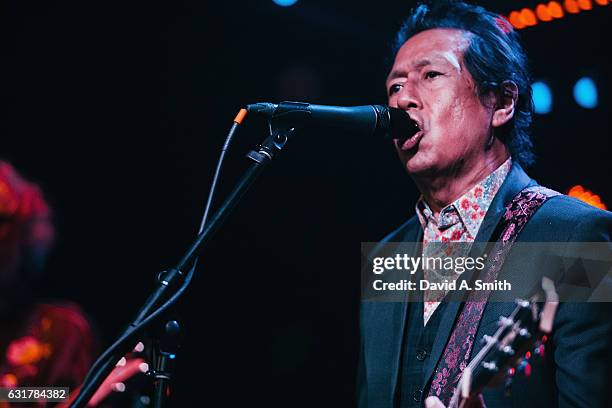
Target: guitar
[(526, 329)]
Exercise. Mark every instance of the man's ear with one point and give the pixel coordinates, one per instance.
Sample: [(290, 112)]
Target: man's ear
[(506, 103)]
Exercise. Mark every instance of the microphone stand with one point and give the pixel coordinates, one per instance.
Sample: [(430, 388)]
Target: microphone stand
[(261, 156), (164, 353)]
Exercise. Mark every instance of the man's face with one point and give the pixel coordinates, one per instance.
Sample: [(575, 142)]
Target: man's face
[(430, 82)]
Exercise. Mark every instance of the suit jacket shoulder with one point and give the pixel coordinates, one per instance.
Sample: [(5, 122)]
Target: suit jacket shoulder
[(566, 219)]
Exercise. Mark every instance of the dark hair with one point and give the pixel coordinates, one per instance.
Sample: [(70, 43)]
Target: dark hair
[(495, 55)]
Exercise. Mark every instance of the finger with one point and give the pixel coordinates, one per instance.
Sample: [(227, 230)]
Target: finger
[(433, 402), (476, 402)]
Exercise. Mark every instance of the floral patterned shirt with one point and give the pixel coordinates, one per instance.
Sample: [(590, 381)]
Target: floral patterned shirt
[(457, 222)]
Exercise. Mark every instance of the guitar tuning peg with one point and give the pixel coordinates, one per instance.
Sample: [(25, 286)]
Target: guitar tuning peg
[(522, 303), (486, 339), (490, 366), (507, 350), (524, 333)]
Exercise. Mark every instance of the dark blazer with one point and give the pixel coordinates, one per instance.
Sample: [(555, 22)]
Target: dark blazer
[(576, 369)]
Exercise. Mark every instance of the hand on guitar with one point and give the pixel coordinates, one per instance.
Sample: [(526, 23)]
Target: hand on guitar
[(474, 402)]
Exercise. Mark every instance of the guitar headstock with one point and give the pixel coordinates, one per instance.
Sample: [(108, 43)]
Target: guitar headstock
[(518, 337)]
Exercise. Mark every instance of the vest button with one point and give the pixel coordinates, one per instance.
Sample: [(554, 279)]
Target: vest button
[(421, 355), (416, 396)]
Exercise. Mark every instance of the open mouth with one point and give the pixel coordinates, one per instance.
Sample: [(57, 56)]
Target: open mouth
[(407, 143)]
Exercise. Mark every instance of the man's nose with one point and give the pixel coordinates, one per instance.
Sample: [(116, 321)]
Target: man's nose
[(407, 98)]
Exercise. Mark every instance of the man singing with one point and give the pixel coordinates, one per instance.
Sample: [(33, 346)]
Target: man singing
[(460, 73)]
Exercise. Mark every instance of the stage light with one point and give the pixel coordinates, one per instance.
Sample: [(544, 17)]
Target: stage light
[(555, 9), (9, 380), (542, 97), (516, 19), (585, 93), (528, 17), (285, 3), (543, 12), (571, 6), (587, 196)]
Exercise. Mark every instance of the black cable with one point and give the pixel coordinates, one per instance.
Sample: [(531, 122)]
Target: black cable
[(133, 331)]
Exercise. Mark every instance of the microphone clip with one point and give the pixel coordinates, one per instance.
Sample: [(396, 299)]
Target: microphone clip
[(274, 143)]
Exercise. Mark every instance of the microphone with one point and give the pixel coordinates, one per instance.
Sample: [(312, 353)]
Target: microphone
[(370, 120)]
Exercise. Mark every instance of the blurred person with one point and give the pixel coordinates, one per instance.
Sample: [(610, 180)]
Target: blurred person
[(461, 73), (42, 343)]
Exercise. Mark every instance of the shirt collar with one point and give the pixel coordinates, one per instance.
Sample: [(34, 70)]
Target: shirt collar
[(469, 209)]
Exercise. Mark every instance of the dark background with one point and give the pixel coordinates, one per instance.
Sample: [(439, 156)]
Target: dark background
[(119, 109)]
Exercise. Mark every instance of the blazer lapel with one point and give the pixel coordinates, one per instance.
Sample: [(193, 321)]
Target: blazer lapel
[(384, 330), (416, 236), (516, 181)]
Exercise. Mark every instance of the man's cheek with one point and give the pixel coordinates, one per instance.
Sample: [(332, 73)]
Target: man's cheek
[(392, 101)]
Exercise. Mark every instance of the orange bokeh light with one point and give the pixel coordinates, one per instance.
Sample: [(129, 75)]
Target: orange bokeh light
[(571, 6), (8, 380), (587, 196), (555, 10), (27, 350), (543, 13), (516, 20), (528, 17)]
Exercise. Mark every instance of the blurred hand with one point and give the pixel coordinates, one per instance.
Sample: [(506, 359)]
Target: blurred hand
[(477, 402), (433, 402)]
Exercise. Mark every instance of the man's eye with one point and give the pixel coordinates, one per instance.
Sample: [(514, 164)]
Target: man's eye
[(432, 74), (395, 88)]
